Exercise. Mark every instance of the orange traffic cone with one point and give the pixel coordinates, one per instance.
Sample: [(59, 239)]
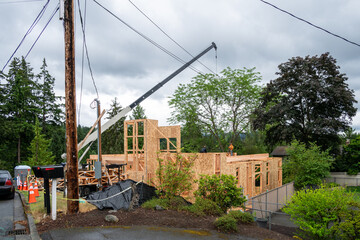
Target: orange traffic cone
[(32, 198), (20, 186), (25, 188), (36, 189)]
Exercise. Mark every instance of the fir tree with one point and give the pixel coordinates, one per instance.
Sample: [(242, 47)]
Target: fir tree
[(138, 113), (39, 148)]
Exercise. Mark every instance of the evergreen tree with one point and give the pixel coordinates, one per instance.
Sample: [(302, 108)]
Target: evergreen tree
[(20, 104), (39, 148), (138, 113), (113, 138)]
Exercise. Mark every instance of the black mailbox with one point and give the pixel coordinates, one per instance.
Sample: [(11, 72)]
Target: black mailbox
[(49, 171), (37, 171)]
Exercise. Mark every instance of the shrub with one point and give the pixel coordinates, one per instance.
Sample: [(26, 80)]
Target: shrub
[(151, 204), (350, 227), (203, 207), (226, 224), (174, 176), (306, 165), (317, 211), (243, 217), (220, 189)]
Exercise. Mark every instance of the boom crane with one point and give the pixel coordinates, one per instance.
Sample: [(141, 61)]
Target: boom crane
[(92, 137)]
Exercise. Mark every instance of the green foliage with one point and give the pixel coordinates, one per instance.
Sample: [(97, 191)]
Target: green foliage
[(349, 228), (220, 189), (243, 217), (151, 204), (226, 224), (39, 148), (203, 207), (113, 137), (216, 106), (317, 211), (25, 96), (309, 101), (138, 113), (252, 143), (349, 161), (306, 166), (174, 176)]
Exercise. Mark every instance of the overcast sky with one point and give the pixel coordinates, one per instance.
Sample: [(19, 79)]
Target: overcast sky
[(248, 33)]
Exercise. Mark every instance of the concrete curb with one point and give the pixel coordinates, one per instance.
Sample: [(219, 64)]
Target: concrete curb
[(34, 235)]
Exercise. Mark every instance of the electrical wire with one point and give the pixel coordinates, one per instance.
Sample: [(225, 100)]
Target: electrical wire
[(82, 63), (87, 52), (311, 24), (168, 35), (37, 19), (52, 15), (148, 39), (21, 1)]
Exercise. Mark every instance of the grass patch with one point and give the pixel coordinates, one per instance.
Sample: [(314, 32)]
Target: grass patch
[(204, 207), (38, 210), (226, 224), (243, 217)]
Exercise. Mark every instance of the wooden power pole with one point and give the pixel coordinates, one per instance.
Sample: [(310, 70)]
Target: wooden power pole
[(70, 105)]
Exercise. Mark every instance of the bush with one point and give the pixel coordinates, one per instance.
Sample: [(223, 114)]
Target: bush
[(306, 166), (243, 217), (151, 204), (226, 224), (350, 227), (174, 176), (220, 189), (203, 207), (317, 211)]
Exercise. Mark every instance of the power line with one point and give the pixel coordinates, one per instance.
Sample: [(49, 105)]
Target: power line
[(168, 35), (311, 24), (52, 15), (37, 19), (86, 51), (21, 1), (148, 39), (82, 64)]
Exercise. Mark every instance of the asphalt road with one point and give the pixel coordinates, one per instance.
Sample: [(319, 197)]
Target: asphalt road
[(6, 217)]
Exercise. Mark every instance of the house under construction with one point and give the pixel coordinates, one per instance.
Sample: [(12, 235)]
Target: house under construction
[(145, 142)]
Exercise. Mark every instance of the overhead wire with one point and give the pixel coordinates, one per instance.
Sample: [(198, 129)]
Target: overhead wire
[(147, 38), (37, 19), (51, 17), (87, 52), (82, 63), (311, 24), (172, 39)]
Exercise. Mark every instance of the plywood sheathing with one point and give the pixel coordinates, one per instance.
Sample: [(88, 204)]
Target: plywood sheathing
[(142, 161)]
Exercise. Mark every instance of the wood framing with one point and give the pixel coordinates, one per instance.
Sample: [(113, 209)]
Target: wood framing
[(145, 142)]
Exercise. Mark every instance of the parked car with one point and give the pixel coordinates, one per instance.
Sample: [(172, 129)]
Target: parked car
[(7, 187)]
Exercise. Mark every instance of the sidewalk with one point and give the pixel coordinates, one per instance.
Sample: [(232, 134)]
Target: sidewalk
[(20, 215)]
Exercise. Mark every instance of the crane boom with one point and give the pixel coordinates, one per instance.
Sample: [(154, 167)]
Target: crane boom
[(126, 110)]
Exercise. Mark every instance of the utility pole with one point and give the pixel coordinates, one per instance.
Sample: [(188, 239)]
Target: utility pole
[(70, 109), (99, 144)]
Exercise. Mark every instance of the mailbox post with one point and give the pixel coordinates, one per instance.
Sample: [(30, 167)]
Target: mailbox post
[(49, 172)]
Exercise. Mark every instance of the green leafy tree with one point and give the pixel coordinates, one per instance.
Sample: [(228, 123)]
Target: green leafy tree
[(309, 101), (306, 166), (113, 138), (174, 177), (138, 113), (39, 148), (319, 212), (220, 105), (349, 160), (253, 143), (220, 189)]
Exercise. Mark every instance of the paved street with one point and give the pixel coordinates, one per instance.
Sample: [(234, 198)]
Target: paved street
[(134, 232), (6, 217)]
